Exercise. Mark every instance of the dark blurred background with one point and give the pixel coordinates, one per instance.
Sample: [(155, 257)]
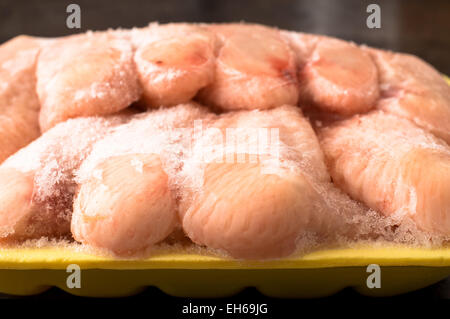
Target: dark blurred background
[(415, 26)]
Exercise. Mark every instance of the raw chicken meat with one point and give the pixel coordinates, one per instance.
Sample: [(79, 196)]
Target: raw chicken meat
[(339, 77), (252, 182), (36, 183), (127, 208), (124, 203), (174, 61), (412, 89), (334, 75), (85, 75), (264, 204), (255, 69), (19, 104), (302, 44), (393, 167)]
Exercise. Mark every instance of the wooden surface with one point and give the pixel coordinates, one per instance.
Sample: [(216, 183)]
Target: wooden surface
[(415, 26)]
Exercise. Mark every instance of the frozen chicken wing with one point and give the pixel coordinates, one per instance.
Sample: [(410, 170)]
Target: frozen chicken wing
[(334, 75), (263, 196), (85, 75), (174, 61), (412, 89), (124, 204), (255, 69), (392, 166), (37, 183), (19, 104)]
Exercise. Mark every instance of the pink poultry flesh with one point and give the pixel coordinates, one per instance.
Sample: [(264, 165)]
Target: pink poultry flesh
[(247, 140)]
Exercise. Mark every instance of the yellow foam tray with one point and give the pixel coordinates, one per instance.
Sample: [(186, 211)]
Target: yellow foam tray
[(27, 271)]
